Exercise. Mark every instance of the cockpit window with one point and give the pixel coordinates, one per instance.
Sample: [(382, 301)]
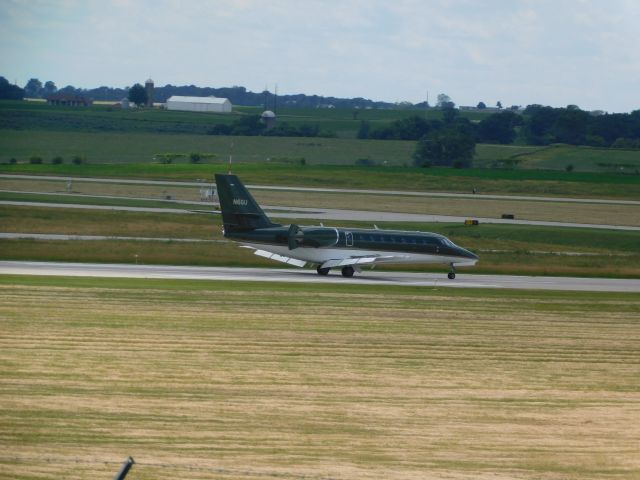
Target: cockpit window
[(447, 242)]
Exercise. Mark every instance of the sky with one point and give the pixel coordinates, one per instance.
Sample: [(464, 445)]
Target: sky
[(518, 52)]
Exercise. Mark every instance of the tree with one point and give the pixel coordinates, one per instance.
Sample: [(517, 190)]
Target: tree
[(499, 104), (539, 123), (71, 90), (481, 106), (445, 147), (444, 99), (571, 126), (249, 125), (410, 128), (10, 92), (449, 113), (33, 88), (49, 88), (499, 127), (363, 131), (138, 95)]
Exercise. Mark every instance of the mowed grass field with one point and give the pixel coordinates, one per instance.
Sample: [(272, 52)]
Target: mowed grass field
[(208, 380), (143, 147), (106, 146), (487, 181)]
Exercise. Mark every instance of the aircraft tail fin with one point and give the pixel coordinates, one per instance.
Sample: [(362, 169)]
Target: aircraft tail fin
[(240, 211)]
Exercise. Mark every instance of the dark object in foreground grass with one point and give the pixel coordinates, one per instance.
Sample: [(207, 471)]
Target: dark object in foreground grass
[(126, 466)]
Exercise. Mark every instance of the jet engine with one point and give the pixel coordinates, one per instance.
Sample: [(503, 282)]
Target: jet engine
[(311, 237)]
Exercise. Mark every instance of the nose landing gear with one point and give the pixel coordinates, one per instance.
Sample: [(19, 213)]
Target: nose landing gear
[(452, 273)]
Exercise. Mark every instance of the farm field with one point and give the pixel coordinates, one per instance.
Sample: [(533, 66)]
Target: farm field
[(344, 123), (582, 159), (119, 147), (107, 146), (211, 380), (512, 249)]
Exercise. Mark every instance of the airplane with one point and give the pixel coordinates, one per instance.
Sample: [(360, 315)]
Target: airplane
[(327, 247)]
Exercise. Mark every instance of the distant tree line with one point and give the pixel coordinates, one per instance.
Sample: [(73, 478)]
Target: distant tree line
[(9, 91), (545, 125), (538, 125), (450, 142), (252, 125)]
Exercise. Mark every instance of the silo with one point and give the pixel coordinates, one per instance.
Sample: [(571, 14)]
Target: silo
[(148, 86), (269, 119)]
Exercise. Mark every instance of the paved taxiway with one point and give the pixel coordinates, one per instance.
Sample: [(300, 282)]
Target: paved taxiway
[(475, 196), (322, 214), (464, 280)]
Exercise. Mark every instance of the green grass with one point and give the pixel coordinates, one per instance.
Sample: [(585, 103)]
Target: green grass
[(141, 147), (100, 201), (489, 181), (104, 134), (583, 159), (201, 379), (505, 249), (37, 116), (488, 155), (120, 147)]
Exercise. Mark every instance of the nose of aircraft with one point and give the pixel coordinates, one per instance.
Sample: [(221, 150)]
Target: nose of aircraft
[(467, 254)]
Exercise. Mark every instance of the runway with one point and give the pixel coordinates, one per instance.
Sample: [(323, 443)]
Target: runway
[(463, 280)]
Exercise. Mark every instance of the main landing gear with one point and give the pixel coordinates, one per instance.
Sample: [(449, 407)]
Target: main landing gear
[(452, 273), (322, 271), (347, 271)]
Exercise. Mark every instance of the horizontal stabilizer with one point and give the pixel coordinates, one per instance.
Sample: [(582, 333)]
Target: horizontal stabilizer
[(279, 258)]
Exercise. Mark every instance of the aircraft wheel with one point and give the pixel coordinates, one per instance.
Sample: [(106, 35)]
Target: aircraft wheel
[(323, 271), (348, 271), (451, 275)]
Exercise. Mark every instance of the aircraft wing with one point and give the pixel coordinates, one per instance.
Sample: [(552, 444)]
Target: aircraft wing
[(338, 262), (279, 258)]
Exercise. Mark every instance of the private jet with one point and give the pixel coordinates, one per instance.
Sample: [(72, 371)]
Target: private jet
[(326, 248)]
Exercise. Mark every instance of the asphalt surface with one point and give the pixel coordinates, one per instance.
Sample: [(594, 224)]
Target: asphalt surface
[(463, 280), (477, 196), (58, 236)]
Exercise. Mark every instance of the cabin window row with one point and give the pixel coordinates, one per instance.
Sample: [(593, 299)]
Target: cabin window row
[(399, 240)]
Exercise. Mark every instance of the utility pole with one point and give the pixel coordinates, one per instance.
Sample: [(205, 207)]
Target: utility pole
[(275, 101)]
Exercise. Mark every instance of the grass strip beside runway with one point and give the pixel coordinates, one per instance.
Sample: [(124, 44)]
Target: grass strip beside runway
[(488, 181), (503, 249)]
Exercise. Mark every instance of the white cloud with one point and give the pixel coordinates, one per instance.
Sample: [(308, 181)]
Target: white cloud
[(521, 51)]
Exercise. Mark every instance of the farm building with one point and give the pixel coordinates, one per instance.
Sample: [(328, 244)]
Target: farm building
[(68, 99), (199, 104)]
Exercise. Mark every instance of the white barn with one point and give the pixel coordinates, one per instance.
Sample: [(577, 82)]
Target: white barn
[(199, 104)]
